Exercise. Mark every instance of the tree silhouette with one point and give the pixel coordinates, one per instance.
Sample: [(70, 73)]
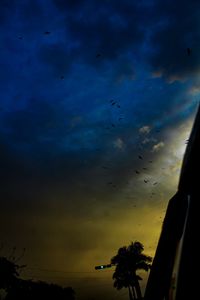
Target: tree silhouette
[(20, 289), (128, 261), (33, 290), (8, 273)]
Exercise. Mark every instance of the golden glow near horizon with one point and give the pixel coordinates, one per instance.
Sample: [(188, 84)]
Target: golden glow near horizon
[(76, 239)]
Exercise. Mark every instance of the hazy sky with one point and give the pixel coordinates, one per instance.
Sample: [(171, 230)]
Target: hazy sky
[(97, 101)]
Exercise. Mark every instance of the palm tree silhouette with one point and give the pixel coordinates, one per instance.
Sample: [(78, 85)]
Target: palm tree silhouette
[(128, 261)]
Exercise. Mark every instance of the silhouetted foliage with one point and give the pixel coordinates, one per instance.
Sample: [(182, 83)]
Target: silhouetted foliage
[(8, 273), (20, 289), (128, 261), (28, 289)]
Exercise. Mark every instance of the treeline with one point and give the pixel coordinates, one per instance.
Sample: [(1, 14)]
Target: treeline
[(16, 288)]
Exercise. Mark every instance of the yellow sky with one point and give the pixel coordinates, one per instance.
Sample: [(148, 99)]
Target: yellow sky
[(76, 239)]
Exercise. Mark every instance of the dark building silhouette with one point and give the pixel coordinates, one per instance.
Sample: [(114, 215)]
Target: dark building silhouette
[(173, 274)]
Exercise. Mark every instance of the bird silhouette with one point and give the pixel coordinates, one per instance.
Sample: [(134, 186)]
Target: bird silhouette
[(137, 172), (47, 32), (140, 157)]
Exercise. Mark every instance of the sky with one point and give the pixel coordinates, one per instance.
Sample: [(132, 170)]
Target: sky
[(97, 100)]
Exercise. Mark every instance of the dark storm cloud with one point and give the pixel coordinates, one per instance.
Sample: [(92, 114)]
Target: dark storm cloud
[(6, 7), (68, 5), (58, 57), (21, 11), (39, 143), (31, 141), (37, 120), (180, 30), (157, 33), (100, 32), (105, 31), (113, 28)]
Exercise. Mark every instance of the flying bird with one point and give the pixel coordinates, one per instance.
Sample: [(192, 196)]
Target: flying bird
[(137, 172), (114, 102), (140, 157), (47, 32), (98, 55), (146, 181), (154, 183)]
